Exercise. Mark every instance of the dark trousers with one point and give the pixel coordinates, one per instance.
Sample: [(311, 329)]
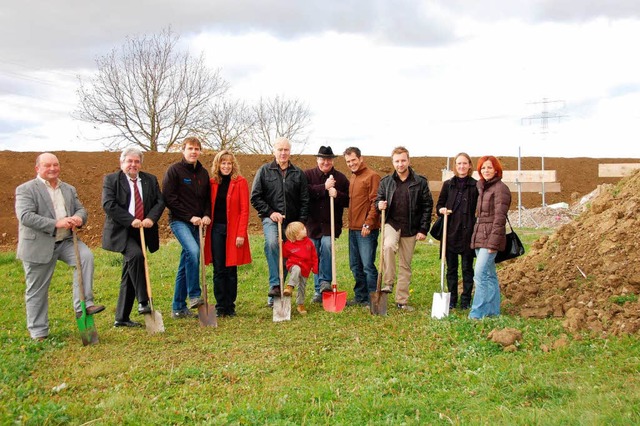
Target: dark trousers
[(133, 283), (225, 278), (467, 277)]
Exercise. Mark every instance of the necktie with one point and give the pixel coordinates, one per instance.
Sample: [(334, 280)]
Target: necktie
[(138, 200)]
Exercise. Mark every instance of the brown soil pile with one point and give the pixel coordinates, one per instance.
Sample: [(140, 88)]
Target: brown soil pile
[(587, 271)]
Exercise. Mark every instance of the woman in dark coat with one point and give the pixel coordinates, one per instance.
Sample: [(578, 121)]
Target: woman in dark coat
[(494, 199), (459, 196)]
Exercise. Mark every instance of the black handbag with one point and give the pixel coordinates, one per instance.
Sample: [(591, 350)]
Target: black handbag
[(436, 229), (514, 247)]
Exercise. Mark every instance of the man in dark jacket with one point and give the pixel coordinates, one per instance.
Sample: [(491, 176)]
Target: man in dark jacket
[(279, 194), (131, 200), (187, 194), (408, 203), (325, 182)]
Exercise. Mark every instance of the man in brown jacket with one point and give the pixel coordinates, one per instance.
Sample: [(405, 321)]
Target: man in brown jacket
[(364, 226)]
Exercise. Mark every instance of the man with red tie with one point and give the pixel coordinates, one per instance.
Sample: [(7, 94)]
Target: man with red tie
[(131, 200)]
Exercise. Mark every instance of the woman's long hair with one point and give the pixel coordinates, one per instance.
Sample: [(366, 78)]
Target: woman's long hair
[(224, 155)]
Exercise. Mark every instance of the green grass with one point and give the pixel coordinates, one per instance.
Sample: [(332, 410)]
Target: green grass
[(346, 368)]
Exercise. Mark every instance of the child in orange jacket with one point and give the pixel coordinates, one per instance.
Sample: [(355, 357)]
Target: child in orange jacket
[(302, 259)]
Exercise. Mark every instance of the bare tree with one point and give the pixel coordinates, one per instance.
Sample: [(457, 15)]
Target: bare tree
[(228, 125), (149, 93), (275, 117)]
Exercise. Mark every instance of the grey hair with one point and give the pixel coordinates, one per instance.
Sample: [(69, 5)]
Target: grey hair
[(131, 151)]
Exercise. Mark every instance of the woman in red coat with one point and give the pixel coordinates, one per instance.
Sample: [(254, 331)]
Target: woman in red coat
[(227, 245)]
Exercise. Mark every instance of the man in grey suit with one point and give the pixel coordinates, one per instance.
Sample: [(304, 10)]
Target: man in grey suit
[(122, 192), (47, 210)]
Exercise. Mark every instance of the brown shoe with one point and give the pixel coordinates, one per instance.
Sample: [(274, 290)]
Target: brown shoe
[(95, 309), (288, 290), (302, 310), (91, 310)]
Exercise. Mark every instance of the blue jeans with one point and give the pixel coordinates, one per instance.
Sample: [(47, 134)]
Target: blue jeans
[(486, 300), (362, 257), (323, 248), (271, 250), (188, 276)]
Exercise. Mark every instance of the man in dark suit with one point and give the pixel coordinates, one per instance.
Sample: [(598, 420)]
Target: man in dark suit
[(131, 200), (47, 210)]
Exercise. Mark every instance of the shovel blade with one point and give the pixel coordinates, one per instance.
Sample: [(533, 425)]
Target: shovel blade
[(378, 305), (440, 306), (334, 301), (86, 326), (153, 322), (281, 309), (207, 315)]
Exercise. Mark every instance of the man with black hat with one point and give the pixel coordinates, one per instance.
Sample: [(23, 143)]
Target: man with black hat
[(325, 181)]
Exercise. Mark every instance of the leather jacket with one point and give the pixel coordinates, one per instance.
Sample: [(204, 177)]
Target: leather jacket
[(421, 201), (286, 194)]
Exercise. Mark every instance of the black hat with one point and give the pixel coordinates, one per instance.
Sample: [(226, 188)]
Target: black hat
[(325, 152)]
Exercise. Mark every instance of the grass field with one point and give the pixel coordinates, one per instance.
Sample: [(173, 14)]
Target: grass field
[(348, 368)]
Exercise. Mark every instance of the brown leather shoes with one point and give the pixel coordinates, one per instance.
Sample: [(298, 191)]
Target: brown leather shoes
[(91, 310)]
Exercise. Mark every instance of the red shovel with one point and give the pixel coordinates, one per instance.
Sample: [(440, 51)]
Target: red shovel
[(333, 301)]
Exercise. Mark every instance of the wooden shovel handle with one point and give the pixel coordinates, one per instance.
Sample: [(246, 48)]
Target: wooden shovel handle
[(78, 264), (334, 284), (280, 267), (382, 222), (143, 246)]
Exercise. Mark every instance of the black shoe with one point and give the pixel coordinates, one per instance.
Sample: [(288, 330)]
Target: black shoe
[(144, 308), (127, 324), (195, 302), (274, 291), (325, 287), (465, 306), (354, 302), (184, 313)]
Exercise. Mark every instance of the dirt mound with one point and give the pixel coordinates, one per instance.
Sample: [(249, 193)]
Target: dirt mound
[(587, 271)]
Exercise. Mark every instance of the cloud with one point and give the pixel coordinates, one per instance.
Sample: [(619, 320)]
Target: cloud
[(580, 11), (68, 33)]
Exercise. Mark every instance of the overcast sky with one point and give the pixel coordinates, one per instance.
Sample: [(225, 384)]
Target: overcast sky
[(436, 76)]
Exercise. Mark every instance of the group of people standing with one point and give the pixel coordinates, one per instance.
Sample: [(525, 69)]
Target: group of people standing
[(216, 205)]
